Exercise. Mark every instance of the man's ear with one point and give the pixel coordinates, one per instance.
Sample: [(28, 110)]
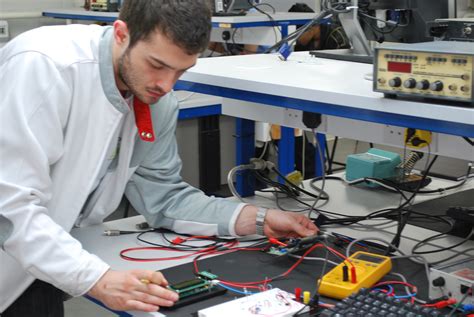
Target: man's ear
[(121, 34)]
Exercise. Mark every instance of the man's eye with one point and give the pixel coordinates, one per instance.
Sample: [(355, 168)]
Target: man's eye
[(156, 66)]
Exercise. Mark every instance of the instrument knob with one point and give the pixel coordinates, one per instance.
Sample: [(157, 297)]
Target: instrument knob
[(437, 86), (395, 82), (409, 83), (423, 84)]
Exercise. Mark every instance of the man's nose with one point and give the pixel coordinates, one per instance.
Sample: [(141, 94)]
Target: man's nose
[(166, 82)]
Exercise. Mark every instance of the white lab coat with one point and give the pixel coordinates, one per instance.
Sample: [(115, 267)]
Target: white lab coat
[(59, 111)]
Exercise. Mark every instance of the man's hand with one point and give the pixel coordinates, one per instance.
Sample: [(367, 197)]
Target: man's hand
[(133, 290), (278, 223)]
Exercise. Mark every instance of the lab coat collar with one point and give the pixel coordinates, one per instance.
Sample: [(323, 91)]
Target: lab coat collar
[(107, 76)]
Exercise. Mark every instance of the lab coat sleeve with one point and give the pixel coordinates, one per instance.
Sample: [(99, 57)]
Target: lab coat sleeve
[(33, 113), (157, 191)]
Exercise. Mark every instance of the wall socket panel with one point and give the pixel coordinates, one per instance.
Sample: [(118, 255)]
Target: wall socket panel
[(4, 34), (395, 136)]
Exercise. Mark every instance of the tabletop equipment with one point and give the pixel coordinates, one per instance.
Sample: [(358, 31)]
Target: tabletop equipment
[(437, 70)]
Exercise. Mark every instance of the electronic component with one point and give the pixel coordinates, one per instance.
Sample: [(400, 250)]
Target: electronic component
[(190, 287), (437, 70), (375, 163), (294, 245), (197, 289), (367, 303), (452, 29), (369, 268), (454, 280), (105, 5), (207, 275), (274, 302)]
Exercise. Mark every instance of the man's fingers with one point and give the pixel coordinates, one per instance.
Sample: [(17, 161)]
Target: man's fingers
[(140, 306), (158, 278), (150, 277), (152, 299), (305, 230), (163, 292)]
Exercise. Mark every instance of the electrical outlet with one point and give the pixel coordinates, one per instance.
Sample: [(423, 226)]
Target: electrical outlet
[(4, 34)]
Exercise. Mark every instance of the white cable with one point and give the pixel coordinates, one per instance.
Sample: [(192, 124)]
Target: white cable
[(407, 289), (311, 258), (230, 177), (264, 150), (303, 169)]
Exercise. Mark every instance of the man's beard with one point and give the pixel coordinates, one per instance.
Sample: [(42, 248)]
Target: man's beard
[(125, 74)]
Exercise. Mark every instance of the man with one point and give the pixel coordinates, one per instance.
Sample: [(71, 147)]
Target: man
[(87, 114)]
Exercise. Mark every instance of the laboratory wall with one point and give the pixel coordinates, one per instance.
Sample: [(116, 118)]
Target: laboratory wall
[(284, 5)]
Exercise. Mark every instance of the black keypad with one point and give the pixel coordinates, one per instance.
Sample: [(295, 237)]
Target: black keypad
[(367, 304)]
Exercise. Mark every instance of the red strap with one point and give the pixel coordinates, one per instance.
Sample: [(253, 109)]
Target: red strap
[(143, 120)]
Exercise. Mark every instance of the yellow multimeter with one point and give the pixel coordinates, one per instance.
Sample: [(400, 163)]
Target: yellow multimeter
[(369, 268)]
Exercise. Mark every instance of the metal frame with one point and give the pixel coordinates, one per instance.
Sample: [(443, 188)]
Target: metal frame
[(459, 129)]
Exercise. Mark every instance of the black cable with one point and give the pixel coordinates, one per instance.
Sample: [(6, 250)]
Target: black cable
[(404, 220), (296, 34), (324, 195), (256, 7), (468, 140), (425, 241), (432, 191)]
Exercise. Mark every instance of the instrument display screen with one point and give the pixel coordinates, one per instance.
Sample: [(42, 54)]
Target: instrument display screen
[(399, 67), (369, 258)]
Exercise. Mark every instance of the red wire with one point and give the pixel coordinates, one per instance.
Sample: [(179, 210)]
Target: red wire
[(342, 256), (266, 281), (192, 253)]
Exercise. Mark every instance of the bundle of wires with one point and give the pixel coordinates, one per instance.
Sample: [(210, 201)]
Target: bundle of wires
[(179, 245)]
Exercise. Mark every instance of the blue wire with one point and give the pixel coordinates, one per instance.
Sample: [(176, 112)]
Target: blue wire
[(406, 296), (235, 290), (390, 289)]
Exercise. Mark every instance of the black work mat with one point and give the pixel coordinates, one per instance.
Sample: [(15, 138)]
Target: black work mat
[(439, 206), (245, 266)]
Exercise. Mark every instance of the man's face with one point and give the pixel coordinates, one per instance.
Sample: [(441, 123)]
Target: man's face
[(150, 69)]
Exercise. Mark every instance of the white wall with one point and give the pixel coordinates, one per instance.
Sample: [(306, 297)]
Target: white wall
[(463, 7), (18, 13)]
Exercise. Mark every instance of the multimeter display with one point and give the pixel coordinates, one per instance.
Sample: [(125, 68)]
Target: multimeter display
[(369, 258)]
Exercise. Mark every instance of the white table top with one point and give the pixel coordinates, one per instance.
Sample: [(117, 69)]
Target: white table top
[(314, 79), (250, 17), (189, 100)]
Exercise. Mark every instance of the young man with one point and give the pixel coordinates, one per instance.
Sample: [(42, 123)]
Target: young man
[(87, 114)]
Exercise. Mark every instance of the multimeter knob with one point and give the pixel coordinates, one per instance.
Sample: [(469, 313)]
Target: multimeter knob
[(423, 84), (395, 82)]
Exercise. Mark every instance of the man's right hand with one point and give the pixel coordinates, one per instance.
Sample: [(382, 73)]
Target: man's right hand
[(141, 290)]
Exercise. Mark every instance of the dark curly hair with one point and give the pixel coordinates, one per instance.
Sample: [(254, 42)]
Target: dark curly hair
[(186, 22)]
